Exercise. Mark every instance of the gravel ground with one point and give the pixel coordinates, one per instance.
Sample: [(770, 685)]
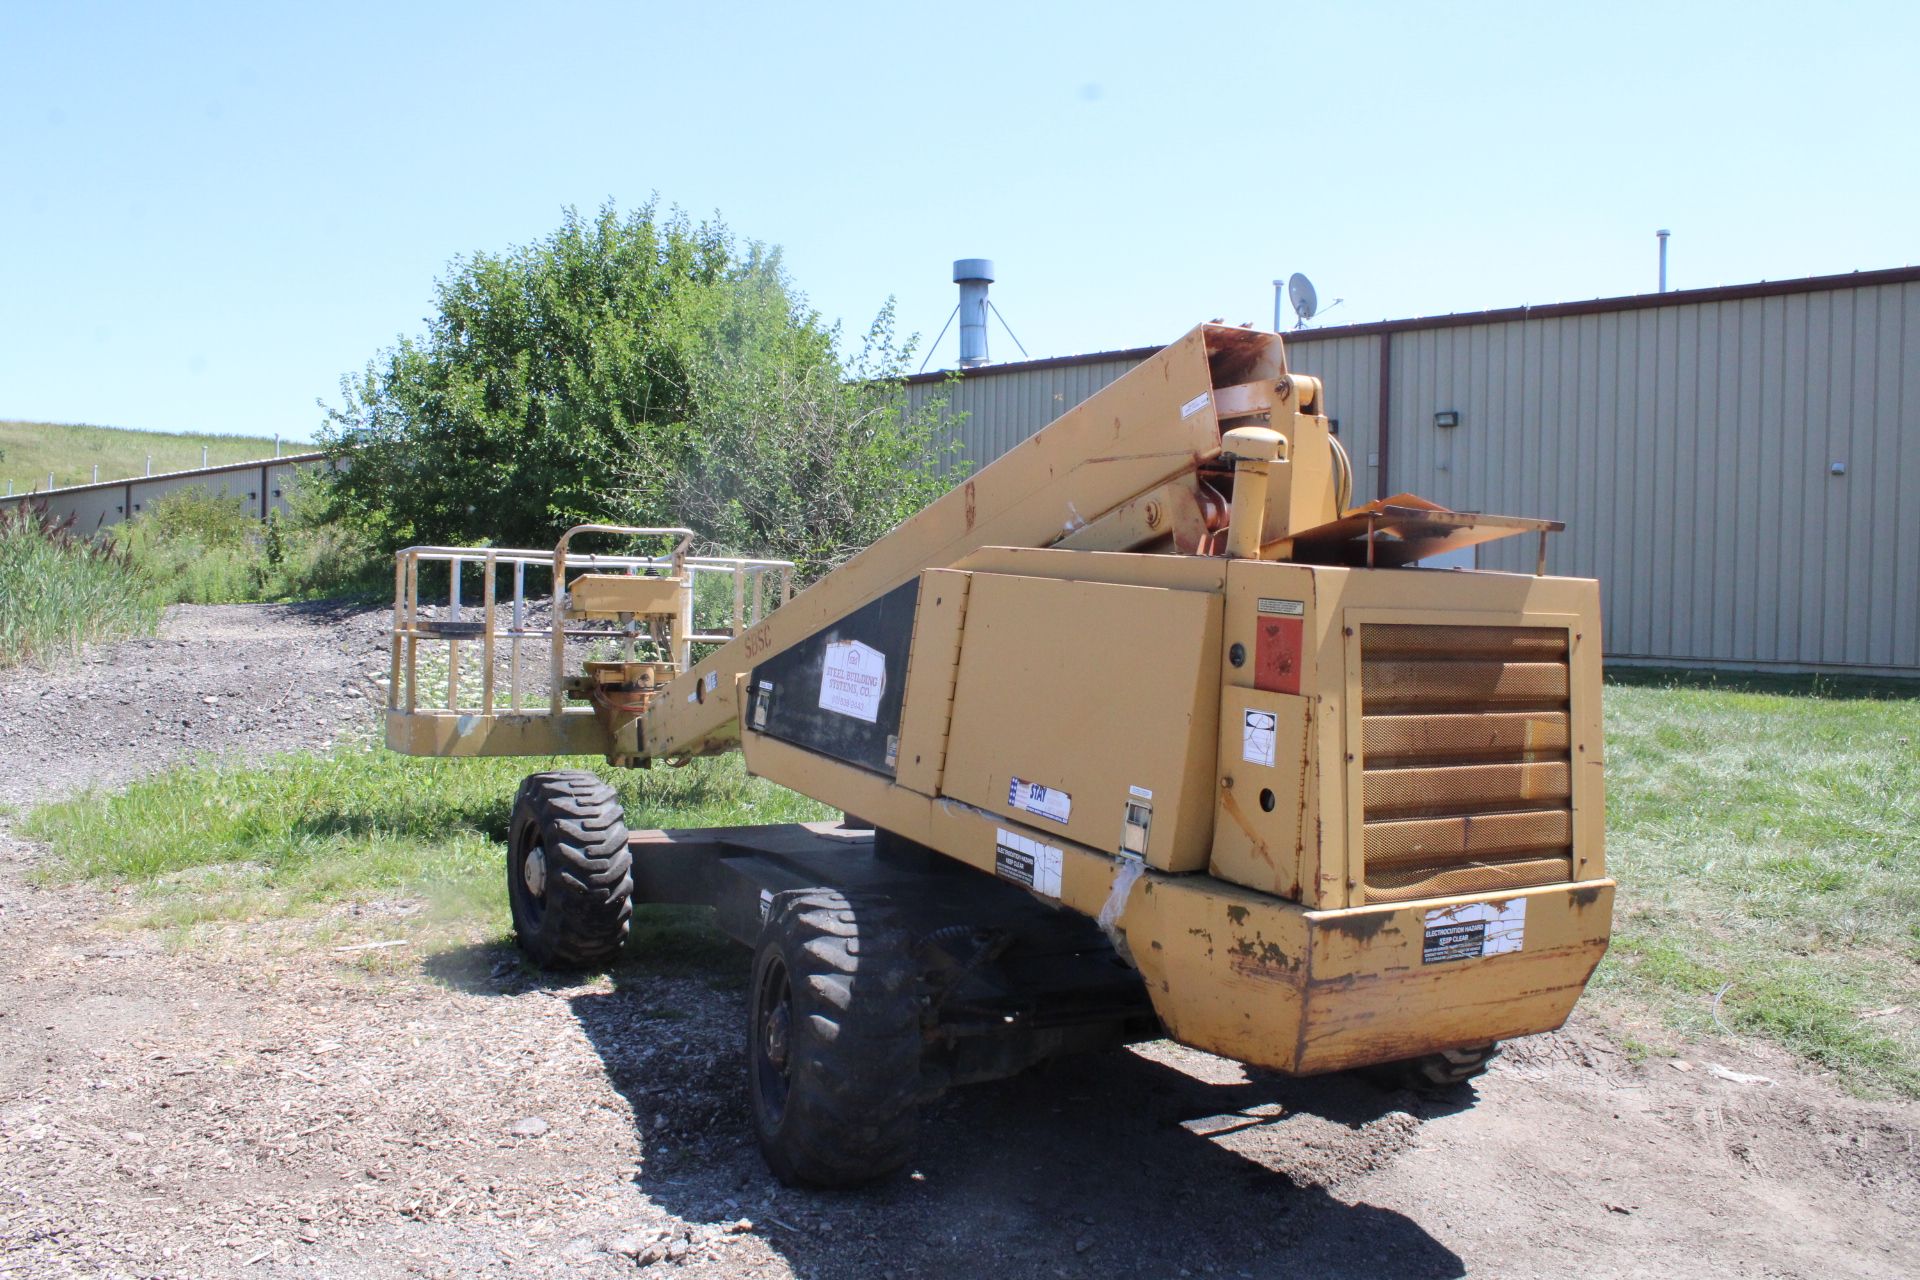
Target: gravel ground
[(217, 680), (263, 1103)]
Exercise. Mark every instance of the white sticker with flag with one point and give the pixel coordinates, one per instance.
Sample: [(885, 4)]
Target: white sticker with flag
[(1048, 802), (852, 680)]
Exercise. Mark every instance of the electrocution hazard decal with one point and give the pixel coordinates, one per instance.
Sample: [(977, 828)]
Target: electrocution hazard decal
[(1026, 861), (1048, 802), (1473, 930), (852, 678)]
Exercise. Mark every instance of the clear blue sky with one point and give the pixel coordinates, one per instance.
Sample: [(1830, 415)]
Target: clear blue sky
[(211, 212)]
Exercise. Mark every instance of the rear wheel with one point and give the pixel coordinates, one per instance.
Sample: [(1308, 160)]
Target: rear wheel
[(1443, 1070), (833, 1040), (569, 871)]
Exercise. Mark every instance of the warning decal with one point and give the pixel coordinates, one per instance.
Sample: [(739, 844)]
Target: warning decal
[(852, 679), (1256, 741), (1048, 802), (1279, 638), (1026, 861), (1473, 930)]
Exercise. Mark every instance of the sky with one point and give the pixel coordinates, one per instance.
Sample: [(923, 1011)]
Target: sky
[(211, 213)]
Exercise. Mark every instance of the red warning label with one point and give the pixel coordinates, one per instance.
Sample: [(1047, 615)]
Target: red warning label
[(1276, 647)]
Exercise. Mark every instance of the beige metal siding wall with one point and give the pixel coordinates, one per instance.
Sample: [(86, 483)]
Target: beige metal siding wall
[(1688, 449), (1349, 372), (1004, 407), (1686, 445), (97, 506)]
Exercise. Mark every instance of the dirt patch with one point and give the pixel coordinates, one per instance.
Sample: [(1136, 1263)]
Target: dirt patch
[(218, 680), (263, 1104)]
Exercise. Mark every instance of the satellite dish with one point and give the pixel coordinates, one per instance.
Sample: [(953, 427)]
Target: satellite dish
[(1300, 293)]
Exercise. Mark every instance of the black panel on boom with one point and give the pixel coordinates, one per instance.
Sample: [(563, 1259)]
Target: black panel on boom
[(838, 692)]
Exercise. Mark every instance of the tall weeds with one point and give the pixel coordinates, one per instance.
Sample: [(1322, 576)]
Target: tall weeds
[(58, 591)]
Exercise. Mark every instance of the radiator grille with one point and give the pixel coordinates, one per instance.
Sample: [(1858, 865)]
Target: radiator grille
[(1464, 755)]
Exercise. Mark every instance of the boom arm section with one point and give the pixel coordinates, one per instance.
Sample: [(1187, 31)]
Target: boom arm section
[(1135, 465)]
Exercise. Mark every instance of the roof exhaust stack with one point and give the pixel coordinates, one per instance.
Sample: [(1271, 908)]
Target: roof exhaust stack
[(973, 275), (1663, 234)]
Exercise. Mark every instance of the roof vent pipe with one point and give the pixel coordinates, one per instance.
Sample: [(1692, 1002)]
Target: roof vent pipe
[(1663, 234), (973, 275)]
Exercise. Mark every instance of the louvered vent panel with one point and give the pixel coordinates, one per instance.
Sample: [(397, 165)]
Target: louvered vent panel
[(1464, 752)]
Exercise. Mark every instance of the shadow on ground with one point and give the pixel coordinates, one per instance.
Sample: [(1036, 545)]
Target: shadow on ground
[(1146, 1162), (1117, 1164), (665, 942)]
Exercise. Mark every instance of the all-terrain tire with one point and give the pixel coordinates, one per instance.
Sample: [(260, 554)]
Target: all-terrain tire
[(1434, 1071), (569, 871), (833, 1039)]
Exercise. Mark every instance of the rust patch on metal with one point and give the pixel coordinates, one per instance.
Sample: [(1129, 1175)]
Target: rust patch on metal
[(1583, 898), (1232, 807), (971, 506), (1259, 958), (1236, 913), (1239, 355), (1363, 928)]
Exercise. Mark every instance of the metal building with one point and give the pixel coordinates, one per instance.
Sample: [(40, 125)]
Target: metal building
[(263, 486), (1739, 466)]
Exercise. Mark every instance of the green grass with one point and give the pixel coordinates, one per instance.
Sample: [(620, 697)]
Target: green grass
[(211, 842), (58, 592), (1766, 837), (71, 451)]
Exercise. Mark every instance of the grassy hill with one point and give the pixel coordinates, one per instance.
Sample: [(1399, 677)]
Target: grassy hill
[(71, 450)]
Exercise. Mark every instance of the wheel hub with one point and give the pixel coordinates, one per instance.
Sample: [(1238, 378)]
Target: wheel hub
[(775, 1037), (533, 871)]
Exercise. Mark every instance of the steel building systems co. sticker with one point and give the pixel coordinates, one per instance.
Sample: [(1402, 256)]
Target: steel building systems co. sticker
[(852, 680)]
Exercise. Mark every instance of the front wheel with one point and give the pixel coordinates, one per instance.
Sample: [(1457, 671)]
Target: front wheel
[(833, 1040), (569, 871)]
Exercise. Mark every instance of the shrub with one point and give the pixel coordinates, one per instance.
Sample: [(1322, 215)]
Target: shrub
[(199, 547)]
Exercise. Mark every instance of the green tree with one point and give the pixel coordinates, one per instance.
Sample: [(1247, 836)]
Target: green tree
[(805, 459), (634, 370)]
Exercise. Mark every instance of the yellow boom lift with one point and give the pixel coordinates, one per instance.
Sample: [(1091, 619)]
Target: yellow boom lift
[(1149, 731)]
